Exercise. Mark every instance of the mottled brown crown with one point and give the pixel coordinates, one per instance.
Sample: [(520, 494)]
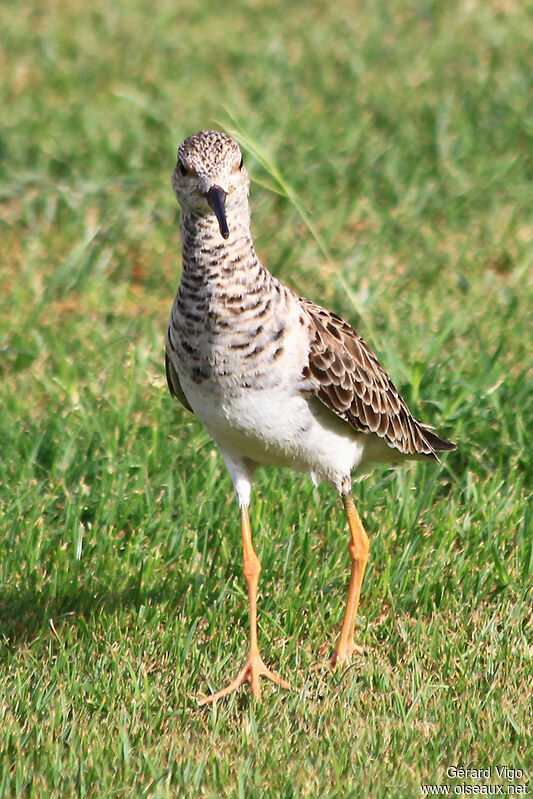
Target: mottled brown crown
[(208, 151)]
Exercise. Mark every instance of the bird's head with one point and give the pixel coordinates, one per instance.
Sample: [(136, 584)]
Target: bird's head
[(210, 179)]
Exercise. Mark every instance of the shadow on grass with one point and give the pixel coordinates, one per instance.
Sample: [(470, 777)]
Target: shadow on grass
[(27, 614)]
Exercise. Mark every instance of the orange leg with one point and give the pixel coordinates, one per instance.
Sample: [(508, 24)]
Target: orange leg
[(254, 667), (358, 548)]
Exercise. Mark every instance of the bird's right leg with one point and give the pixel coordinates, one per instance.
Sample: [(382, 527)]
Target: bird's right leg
[(254, 667)]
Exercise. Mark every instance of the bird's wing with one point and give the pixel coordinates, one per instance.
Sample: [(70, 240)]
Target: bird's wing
[(174, 384), (349, 380)]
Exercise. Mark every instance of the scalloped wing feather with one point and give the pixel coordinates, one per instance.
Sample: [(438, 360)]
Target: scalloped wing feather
[(349, 380)]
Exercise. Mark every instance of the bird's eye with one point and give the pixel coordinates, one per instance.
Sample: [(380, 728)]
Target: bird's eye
[(181, 168), (242, 163)]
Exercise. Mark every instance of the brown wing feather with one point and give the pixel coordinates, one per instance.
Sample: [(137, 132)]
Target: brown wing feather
[(174, 384), (350, 381)]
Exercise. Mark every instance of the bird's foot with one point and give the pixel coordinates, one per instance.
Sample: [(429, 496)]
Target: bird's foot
[(253, 669), (342, 655)]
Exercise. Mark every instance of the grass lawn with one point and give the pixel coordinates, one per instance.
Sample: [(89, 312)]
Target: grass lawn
[(390, 147)]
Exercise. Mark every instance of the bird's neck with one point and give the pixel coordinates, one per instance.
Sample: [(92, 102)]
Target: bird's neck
[(212, 263), (223, 284)]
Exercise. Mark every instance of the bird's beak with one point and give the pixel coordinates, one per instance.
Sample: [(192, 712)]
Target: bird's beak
[(216, 197)]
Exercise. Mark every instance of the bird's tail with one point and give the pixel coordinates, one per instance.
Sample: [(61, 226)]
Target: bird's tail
[(434, 441)]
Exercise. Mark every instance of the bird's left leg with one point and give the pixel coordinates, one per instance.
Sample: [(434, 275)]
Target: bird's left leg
[(358, 548)]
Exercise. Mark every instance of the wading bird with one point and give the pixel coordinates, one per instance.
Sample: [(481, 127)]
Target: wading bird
[(274, 378)]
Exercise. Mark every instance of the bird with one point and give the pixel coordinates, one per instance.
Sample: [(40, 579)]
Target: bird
[(274, 378)]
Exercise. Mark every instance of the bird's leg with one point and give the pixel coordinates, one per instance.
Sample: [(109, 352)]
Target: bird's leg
[(358, 548), (254, 667)]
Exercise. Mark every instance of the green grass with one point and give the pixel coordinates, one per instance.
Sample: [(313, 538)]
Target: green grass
[(402, 135)]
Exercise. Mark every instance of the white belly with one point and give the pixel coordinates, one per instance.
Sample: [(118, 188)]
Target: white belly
[(279, 427)]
